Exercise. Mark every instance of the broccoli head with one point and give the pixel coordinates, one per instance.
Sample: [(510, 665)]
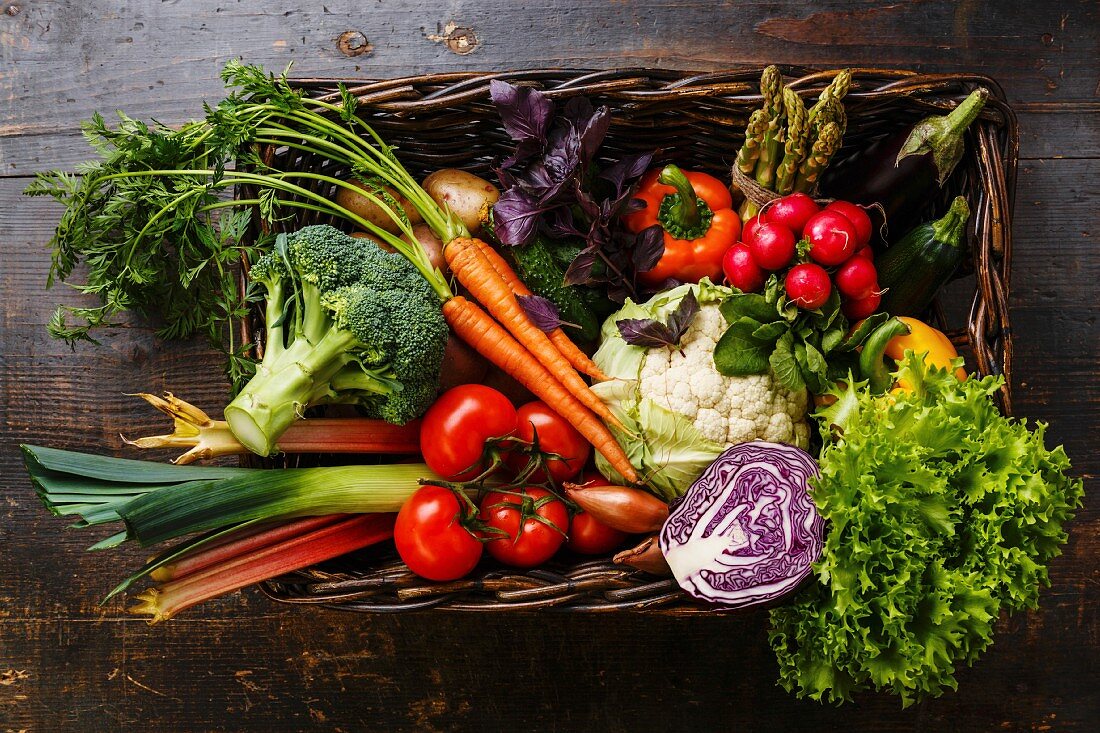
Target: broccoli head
[(346, 322)]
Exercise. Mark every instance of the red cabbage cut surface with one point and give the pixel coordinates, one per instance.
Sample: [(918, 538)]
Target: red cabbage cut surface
[(746, 531)]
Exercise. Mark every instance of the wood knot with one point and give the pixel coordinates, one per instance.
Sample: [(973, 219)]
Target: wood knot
[(462, 41), (458, 40), (353, 43)]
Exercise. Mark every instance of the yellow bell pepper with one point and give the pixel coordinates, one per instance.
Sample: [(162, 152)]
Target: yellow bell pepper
[(922, 338)]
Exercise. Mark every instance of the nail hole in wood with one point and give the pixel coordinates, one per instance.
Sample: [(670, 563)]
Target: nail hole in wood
[(461, 41), (353, 43)]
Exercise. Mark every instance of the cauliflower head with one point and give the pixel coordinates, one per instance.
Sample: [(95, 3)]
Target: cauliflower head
[(679, 412), (727, 410)]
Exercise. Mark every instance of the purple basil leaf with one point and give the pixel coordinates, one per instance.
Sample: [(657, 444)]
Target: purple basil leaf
[(560, 224), (515, 217), (645, 332), (525, 113), (580, 269), (578, 110), (649, 332), (592, 133), (542, 312), (681, 318), (624, 172), (632, 205), (649, 247)]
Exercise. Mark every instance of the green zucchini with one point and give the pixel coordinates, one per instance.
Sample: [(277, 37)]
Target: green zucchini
[(920, 263)]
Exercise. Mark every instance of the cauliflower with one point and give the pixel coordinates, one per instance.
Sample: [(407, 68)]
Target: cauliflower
[(726, 410), (678, 411)]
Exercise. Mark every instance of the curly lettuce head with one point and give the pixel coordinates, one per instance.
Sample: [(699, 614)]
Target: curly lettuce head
[(940, 512)]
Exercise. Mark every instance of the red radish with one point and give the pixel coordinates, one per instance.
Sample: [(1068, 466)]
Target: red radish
[(741, 269), (832, 238), (808, 286), (772, 246), (856, 278), (857, 216), (866, 253), (855, 310), (749, 230), (792, 211)]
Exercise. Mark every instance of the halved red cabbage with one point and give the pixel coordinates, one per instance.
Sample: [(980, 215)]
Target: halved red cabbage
[(746, 531)]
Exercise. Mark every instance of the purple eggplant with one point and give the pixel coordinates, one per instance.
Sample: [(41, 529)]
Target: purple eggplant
[(903, 172)]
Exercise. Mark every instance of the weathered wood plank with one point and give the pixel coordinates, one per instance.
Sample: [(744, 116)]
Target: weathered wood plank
[(64, 60)]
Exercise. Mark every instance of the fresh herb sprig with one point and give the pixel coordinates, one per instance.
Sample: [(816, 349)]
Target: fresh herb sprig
[(153, 222)]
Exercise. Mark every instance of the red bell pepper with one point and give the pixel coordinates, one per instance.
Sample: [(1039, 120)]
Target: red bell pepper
[(694, 212)]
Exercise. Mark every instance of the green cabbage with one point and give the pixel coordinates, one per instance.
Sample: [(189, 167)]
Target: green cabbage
[(941, 512), (665, 447)]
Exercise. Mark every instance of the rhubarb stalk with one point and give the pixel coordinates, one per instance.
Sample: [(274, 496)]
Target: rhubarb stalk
[(205, 438), (232, 572)]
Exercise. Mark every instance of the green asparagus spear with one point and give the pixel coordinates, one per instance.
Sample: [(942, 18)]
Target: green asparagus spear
[(754, 137), (794, 149), (825, 146), (830, 110), (828, 101), (771, 87)]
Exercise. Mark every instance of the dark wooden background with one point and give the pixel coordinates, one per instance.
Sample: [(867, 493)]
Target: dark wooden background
[(244, 663)]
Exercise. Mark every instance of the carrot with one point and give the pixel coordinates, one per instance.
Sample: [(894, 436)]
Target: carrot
[(565, 345), (491, 340), (473, 270)]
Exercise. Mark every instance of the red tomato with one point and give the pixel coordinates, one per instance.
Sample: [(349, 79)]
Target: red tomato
[(741, 269), (808, 286), (856, 278), (858, 309), (858, 217), (455, 428), (792, 211), (773, 246), (556, 435), (590, 536), (537, 542), (832, 238), (430, 538)]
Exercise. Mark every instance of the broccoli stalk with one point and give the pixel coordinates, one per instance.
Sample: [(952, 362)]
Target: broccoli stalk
[(347, 323)]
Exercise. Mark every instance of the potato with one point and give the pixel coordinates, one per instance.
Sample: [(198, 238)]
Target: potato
[(362, 206), (425, 237), (432, 246), (461, 365), (469, 196)]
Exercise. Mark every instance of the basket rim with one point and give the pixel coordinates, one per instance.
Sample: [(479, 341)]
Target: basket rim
[(994, 149)]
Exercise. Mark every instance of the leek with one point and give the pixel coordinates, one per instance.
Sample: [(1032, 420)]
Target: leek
[(159, 502)]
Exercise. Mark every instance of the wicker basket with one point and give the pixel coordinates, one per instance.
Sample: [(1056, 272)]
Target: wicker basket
[(697, 120)]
